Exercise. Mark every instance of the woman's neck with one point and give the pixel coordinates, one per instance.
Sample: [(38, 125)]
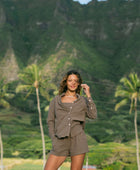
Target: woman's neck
[(69, 93)]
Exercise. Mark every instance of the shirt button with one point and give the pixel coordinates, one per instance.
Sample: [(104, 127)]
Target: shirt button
[(71, 107), (68, 118), (89, 100), (91, 108), (69, 124)]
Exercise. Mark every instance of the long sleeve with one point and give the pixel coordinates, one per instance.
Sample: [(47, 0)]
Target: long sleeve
[(51, 119), (91, 111)]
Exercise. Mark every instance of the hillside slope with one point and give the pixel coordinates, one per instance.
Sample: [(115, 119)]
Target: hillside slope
[(105, 35), (101, 40)]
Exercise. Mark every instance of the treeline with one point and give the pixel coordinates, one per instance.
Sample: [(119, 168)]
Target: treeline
[(22, 96)]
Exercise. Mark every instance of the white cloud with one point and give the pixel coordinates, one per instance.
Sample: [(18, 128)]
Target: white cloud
[(83, 1), (86, 1)]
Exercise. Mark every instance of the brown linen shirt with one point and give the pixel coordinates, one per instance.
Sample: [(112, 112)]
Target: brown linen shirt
[(68, 119)]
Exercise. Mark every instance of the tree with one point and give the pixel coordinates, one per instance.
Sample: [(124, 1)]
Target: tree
[(33, 80), (3, 102), (4, 94), (129, 90), (1, 149)]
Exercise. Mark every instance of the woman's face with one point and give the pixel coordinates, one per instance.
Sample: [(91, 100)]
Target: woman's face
[(72, 82)]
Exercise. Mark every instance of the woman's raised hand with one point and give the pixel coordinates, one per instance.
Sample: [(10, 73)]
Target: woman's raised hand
[(86, 89)]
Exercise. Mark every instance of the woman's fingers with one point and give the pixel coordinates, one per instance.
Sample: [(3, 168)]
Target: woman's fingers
[(86, 89)]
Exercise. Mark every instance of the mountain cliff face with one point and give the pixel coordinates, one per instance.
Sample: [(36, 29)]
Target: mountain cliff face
[(2, 17), (9, 66), (100, 39)]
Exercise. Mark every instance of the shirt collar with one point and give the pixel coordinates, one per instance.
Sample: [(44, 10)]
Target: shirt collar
[(63, 94)]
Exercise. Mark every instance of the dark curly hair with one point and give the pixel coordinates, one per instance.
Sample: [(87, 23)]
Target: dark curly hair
[(63, 83)]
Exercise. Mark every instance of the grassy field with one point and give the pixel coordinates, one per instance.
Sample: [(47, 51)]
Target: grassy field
[(28, 164), (33, 167), (27, 167)]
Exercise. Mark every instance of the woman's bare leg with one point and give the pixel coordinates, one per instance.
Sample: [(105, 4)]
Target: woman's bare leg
[(77, 162), (54, 162)]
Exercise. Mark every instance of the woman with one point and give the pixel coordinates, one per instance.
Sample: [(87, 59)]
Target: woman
[(66, 119)]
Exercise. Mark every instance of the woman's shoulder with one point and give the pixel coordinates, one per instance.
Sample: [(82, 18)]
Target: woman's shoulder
[(55, 98), (83, 98)]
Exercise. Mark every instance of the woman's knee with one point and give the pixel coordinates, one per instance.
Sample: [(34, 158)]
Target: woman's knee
[(77, 162), (54, 162)]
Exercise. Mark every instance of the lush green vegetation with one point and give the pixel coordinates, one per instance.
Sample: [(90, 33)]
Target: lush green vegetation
[(27, 166), (23, 140), (100, 40)]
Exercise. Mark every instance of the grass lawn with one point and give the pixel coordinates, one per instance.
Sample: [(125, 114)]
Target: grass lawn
[(27, 167), (28, 164), (33, 167)]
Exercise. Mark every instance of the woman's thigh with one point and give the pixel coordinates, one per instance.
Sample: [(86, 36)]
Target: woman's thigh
[(77, 162), (54, 162)]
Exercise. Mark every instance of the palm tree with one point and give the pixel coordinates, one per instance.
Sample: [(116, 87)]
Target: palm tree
[(129, 90), (1, 148), (33, 80), (3, 95), (87, 163)]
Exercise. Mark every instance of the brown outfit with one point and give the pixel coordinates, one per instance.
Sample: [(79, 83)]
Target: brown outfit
[(66, 125)]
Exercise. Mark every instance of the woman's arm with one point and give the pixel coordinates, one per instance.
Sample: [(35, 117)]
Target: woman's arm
[(91, 111), (51, 119)]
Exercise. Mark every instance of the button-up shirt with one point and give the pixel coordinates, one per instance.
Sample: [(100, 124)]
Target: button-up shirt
[(68, 119)]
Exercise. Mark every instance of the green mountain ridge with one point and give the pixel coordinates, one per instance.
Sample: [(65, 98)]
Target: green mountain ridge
[(107, 31), (101, 40)]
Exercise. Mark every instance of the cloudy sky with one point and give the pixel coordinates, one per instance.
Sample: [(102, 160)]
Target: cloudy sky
[(84, 1)]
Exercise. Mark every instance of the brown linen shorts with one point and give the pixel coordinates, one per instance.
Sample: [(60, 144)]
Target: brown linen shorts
[(70, 146)]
